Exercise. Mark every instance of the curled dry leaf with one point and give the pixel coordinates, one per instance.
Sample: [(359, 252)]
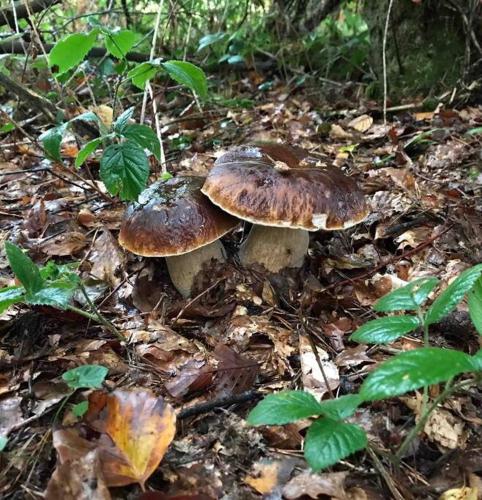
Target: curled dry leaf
[(135, 429), (312, 485), (80, 479), (361, 123), (107, 259)]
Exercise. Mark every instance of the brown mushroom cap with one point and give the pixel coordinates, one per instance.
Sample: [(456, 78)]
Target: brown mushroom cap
[(284, 186), (171, 218)]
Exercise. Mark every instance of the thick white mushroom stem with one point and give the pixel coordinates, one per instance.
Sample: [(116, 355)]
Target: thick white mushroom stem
[(275, 247), (184, 268)]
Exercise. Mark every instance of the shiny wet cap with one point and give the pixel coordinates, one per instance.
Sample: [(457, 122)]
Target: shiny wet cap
[(173, 217), (284, 186)]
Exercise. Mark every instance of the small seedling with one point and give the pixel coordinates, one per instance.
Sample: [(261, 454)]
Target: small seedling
[(330, 438)]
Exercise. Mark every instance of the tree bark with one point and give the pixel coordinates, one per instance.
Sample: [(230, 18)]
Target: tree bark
[(7, 15)]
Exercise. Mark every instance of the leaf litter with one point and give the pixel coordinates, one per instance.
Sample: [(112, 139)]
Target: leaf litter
[(244, 337)]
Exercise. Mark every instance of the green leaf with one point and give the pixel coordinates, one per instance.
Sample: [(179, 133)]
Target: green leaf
[(385, 330), (80, 409), (86, 377), (477, 359), (71, 51), (414, 369), (142, 73), (475, 305), (88, 116), (124, 169), (447, 301), (86, 151), (11, 295), (407, 298), (210, 39), (123, 119), (3, 442), (51, 140), (24, 268), (329, 441), (119, 43), (342, 407), (284, 407), (475, 131), (57, 293), (145, 137), (189, 75)]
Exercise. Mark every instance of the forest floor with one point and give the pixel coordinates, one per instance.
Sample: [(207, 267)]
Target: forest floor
[(214, 356)]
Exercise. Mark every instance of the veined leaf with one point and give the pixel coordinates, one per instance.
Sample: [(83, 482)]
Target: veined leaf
[(51, 140), (142, 73), (385, 330), (57, 293), (11, 295), (24, 268), (414, 369), (447, 301), (119, 43), (145, 137), (86, 151), (188, 74), (86, 376), (284, 407), (341, 407), (475, 305), (123, 119), (329, 441), (407, 298), (124, 169), (70, 51)]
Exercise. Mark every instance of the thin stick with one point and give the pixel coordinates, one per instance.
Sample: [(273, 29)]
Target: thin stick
[(384, 62)]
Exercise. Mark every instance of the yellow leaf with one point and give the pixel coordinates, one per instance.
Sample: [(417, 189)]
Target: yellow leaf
[(361, 123)]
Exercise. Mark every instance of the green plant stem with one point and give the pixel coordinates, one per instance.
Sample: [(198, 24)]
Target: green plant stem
[(448, 391), (62, 405), (426, 343), (96, 315)]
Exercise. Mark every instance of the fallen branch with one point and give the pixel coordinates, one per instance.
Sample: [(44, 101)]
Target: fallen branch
[(7, 15)]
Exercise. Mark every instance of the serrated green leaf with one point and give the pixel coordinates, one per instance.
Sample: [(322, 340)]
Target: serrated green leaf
[(11, 295), (123, 119), (24, 268), (284, 407), (329, 441), (145, 137), (3, 442), (210, 39), (342, 407), (407, 298), (474, 299), (119, 43), (188, 74), (86, 151), (142, 73), (86, 377), (88, 116), (447, 301), (70, 51), (124, 169), (414, 369), (57, 294), (80, 409), (385, 330), (51, 140)]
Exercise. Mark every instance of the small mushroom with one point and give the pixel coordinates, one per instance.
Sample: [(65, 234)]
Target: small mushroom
[(285, 192), (173, 219)]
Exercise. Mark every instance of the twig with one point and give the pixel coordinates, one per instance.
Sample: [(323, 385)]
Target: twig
[(219, 403), (386, 477), (396, 258), (384, 62)]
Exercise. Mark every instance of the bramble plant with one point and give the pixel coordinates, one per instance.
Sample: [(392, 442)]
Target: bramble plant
[(330, 438), (51, 285), (124, 165)]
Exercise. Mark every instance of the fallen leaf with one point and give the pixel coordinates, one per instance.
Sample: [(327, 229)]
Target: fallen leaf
[(105, 113), (10, 414), (107, 259), (361, 123), (80, 479), (353, 356), (337, 132), (268, 475), (464, 493), (64, 244), (314, 485), (316, 381)]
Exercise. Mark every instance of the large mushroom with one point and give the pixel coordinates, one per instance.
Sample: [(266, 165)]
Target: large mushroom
[(173, 219), (285, 192)]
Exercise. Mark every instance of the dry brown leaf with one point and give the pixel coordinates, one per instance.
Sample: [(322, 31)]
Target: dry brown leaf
[(337, 132), (65, 244), (464, 493), (268, 476), (312, 375), (353, 356), (361, 123), (107, 259), (105, 113), (314, 485), (445, 429), (135, 429), (80, 479)]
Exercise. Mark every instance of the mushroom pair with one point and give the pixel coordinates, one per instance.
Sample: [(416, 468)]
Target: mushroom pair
[(283, 191)]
